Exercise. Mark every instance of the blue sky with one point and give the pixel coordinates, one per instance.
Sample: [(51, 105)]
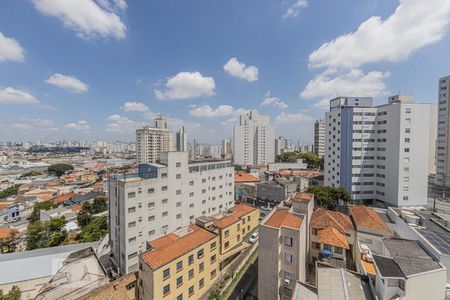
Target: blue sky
[(98, 69)]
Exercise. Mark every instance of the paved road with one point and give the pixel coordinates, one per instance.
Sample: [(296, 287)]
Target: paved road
[(247, 285)]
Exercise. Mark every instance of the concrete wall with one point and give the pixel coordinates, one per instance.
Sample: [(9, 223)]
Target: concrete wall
[(268, 263)]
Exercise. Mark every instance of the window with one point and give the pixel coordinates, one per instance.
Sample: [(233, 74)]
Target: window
[(405, 198), (178, 164), (131, 224), (132, 209), (191, 194), (191, 273), (191, 290), (151, 218), (151, 205), (178, 204), (178, 192), (288, 257), (178, 176), (131, 195), (191, 182), (179, 281), (406, 150), (201, 283), (179, 266), (287, 291), (180, 297), (164, 175), (151, 191), (191, 259), (164, 188), (166, 273), (165, 213), (227, 233), (314, 231), (179, 216), (288, 241), (338, 250), (200, 253), (213, 274), (407, 130), (201, 267), (213, 246), (288, 275), (327, 247), (164, 201), (132, 255), (131, 240), (151, 232), (166, 289), (213, 259), (227, 244)]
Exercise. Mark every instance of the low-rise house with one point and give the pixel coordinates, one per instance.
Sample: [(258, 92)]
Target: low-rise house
[(332, 237), (406, 271), (80, 273), (287, 166), (283, 249), (62, 211), (245, 187), (30, 270), (276, 191), (180, 265), (62, 199)]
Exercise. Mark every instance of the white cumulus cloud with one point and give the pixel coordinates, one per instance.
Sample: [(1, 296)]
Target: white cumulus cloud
[(413, 25), (186, 85), (86, 17), (293, 117), (121, 124), (206, 111), (135, 106), (10, 49), (68, 83), (294, 8), (80, 125), (240, 70), (10, 95), (269, 100)]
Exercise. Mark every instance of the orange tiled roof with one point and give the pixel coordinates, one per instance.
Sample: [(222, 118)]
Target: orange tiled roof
[(303, 196), (4, 205), (366, 217), (63, 198), (245, 177), (322, 218), (171, 246), (239, 211), (332, 236), (368, 265), (6, 232), (283, 217)]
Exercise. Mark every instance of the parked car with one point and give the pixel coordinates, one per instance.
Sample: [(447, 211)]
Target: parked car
[(253, 238)]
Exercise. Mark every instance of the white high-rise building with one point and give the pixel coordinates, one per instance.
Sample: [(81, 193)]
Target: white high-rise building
[(319, 138), (380, 154), (162, 198), (443, 134), (182, 144), (282, 145), (253, 140), (226, 147), (151, 141)]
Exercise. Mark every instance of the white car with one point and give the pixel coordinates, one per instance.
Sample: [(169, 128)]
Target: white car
[(253, 238)]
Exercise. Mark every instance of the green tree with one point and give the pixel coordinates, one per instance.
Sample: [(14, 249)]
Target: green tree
[(14, 294), (99, 205), (59, 169), (44, 205), (10, 191), (46, 234), (328, 197), (8, 244), (83, 218), (95, 230), (287, 157), (238, 168)]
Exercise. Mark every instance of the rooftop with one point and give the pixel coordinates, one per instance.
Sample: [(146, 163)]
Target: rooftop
[(245, 177), (175, 244), (284, 218), (322, 218), (331, 236), (225, 219), (117, 289), (366, 217), (304, 196), (387, 266)]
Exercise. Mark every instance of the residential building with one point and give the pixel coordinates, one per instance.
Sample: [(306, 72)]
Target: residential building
[(406, 271), (123, 288), (181, 265), (380, 154), (31, 270), (287, 166), (226, 148), (332, 237), (319, 137), (181, 140), (232, 226), (253, 140), (443, 136), (283, 248), (282, 145), (275, 191), (245, 187), (162, 198), (152, 141)]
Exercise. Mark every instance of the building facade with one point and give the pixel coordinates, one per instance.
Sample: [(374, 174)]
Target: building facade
[(443, 134), (152, 141), (282, 145), (380, 154), (181, 137), (319, 138), (253, 140), (162, 198)]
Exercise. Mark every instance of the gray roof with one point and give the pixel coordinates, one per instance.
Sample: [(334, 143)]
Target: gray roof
[(27, 265), (304, 292), (410, 256), (336, 283), (387, 266)]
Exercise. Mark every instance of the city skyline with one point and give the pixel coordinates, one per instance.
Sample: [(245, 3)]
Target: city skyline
[(52, 83)]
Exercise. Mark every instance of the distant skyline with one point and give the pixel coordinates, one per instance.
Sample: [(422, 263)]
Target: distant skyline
[(99, 69)]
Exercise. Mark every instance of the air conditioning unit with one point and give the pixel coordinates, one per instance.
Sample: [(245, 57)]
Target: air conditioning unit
[(287, 282)]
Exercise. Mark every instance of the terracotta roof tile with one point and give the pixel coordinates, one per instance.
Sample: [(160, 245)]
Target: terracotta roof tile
[(283, 217), (238, 211), (245, 177), (303, 196), (6, 232), (366, 217), (116, 289), (332, 236), (322, 218), (4, 205), (171, 246), (63, 198)]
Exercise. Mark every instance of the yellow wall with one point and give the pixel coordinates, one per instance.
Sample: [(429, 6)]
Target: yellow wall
[(238, 230), (158, 282)]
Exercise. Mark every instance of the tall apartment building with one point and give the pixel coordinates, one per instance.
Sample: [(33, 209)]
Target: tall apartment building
[(380, 154), (443, 134), (181, 140), (226, 147), (284, 248), (319, 138), (253, 139), (151, 141), (162, 198), (282, 145)]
